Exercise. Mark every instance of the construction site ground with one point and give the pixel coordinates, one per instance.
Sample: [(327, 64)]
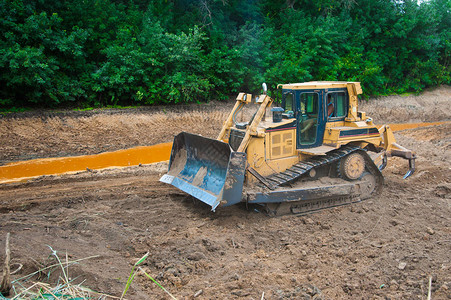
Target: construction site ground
[(387, 247)]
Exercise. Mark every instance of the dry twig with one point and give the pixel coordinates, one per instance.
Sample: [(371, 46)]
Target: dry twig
[(5, 286), (429, 290), (6, 281)]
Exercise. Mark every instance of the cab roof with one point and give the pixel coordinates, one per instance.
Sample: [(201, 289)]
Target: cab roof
[(319, 85)]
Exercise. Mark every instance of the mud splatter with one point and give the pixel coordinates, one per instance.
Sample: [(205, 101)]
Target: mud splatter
[(200, 175)]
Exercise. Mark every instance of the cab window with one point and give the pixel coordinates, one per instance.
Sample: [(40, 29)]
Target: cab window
[(309, 103), (288, 101), (340, 104), (336, 104), (308, 119)]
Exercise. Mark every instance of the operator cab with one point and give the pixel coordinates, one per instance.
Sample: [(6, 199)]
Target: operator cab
[(313, 104)]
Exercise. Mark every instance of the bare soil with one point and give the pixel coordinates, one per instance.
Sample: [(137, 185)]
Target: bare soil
[(384, 248)]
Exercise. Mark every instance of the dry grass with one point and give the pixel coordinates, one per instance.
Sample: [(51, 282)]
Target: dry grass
[(31, 287), (28, 288)]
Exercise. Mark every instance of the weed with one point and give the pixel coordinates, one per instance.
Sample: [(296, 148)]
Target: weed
[(84, 109), (133, 273)]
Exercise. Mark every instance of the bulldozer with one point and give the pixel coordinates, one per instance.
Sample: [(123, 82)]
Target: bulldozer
[(317, 151)]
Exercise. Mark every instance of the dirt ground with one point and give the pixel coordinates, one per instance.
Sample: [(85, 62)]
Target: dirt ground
[(383, 248)]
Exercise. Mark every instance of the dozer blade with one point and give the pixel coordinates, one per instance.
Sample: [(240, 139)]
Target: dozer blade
[(206, 169)]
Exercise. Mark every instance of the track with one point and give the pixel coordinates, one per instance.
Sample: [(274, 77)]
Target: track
[(300, 169), (308, 196)]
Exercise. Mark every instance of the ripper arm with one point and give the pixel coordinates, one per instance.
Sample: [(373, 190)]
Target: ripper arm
[(393, 149)]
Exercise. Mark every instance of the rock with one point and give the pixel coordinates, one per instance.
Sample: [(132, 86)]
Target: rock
[(159, 265), (172, 270), (198, 293), (348, 287), (308, 221), (376, 244), (394, 222), (177, 281), (235, 277), (285, 240), (196, 256), (241, 293), (311, 290), (325, 226), (402, 265), (394, 284), (442, 191), (210, 245), (430, 231)]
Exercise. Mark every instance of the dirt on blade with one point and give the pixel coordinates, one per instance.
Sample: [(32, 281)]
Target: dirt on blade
[(385, 247)]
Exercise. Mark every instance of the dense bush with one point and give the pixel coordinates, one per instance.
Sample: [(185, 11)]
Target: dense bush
[(104, 52)]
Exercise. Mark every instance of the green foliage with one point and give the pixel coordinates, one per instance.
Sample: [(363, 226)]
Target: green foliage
[(4, 111), (39, 59), (99, 53)]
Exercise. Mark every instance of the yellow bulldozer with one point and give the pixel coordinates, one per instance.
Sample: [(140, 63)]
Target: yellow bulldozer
[(316, 151)]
